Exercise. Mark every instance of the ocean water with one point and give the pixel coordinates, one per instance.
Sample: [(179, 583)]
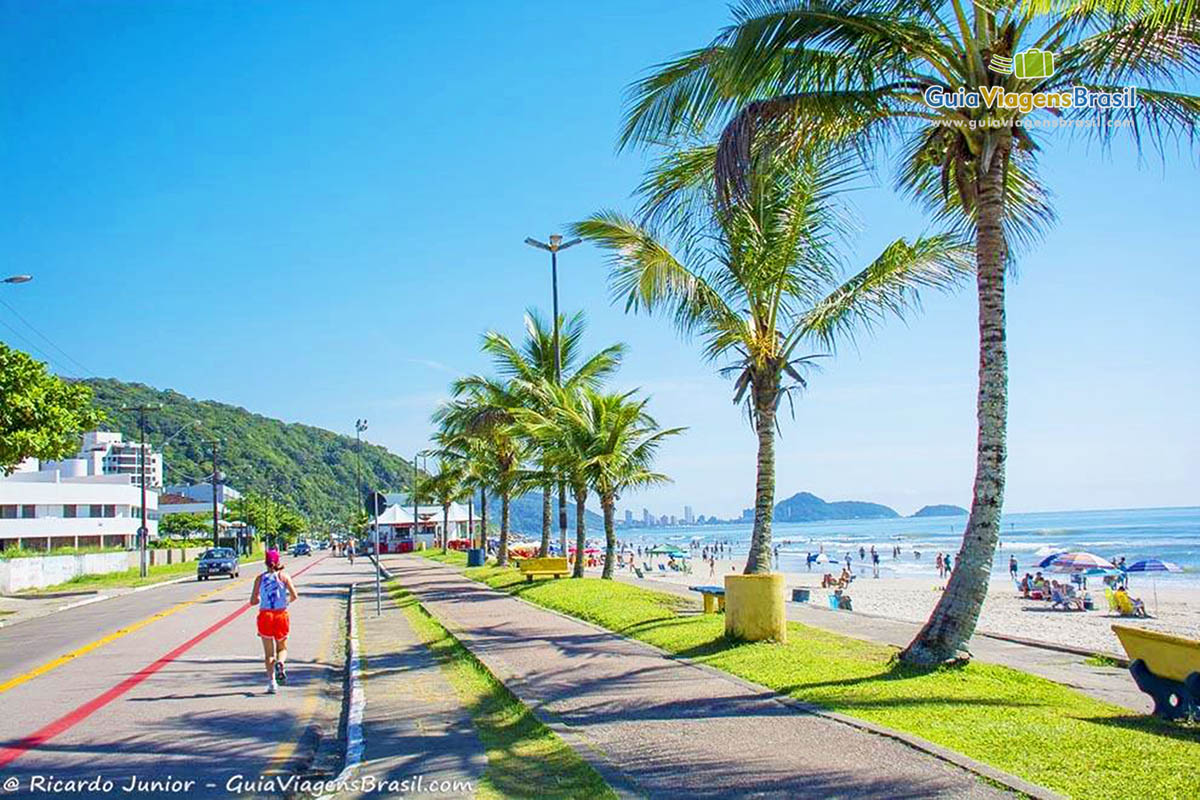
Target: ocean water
[(1171, 534)]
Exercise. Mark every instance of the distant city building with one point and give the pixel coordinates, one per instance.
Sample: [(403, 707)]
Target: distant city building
[(107, 453), (43, 509), (628, 517), (673, 519), (662, 520), (688, 517), (747, 513), (647, 519), (700, 520)]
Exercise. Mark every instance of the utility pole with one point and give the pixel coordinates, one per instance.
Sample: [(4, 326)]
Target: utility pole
[(143, 531), (215, 445), (556, 244)]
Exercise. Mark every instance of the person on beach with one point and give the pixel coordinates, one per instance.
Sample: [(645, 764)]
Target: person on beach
[(941, 566), (949, 565), (862, 553), (875, 562), (273, 590)]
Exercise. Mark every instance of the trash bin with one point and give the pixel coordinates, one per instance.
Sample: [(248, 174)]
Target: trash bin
[(476, 557), (800, 595)]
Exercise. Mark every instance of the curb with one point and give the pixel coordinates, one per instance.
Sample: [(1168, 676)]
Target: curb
[(1005, 779)]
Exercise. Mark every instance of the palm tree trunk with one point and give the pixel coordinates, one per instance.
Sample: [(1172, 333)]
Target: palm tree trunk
[(483, 516), (562, 516), (502, 556), (765, 393), (445, 526), (580, 530), (544, 550), (953, 619), (608, 505)]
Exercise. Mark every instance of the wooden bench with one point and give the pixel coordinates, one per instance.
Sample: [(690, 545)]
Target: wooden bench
[(533, 567), (714, 597), (1165, 667)]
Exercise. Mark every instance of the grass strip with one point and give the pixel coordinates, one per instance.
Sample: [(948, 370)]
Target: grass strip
[(1039, 730), (115, 580), (525, 758)]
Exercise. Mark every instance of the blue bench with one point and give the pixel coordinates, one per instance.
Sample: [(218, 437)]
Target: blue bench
[(714, 597)]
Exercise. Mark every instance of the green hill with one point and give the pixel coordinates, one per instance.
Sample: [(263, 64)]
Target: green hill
[(310, 468), (807, 507), (942, 511)]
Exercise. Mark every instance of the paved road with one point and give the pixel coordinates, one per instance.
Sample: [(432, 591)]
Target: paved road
[(661, 728), (167, 685)]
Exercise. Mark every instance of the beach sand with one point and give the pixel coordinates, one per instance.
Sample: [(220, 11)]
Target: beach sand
[(1005, 612)]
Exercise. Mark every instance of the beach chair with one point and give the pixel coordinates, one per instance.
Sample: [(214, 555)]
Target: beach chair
[(662, 568), (1111, 597), (1128, 607), (833, 602), (637, 571)]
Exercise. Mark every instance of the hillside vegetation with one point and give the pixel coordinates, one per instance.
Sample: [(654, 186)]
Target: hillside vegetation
[(309, 468)]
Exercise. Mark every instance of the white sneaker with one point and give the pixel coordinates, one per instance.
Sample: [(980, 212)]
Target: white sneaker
[(271, 687)]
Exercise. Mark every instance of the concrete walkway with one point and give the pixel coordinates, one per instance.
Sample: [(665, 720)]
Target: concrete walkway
[(658, 727), (413, 723), (1110, 684)]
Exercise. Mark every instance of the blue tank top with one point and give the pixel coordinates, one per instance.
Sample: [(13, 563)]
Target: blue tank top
[(272, 592)]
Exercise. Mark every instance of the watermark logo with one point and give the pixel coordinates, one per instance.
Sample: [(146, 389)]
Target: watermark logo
[(1027, 64)]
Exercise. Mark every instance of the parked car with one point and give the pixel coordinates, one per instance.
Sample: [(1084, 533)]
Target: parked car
[(301, 548), (217, 561)]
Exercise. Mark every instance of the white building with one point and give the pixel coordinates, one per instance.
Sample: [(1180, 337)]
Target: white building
[(44, 509), (202, 492), (107, 453), (397, 534), (688, 517)]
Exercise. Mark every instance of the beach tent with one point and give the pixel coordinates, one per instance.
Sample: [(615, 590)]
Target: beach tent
[(668, 550), (1153, 566)]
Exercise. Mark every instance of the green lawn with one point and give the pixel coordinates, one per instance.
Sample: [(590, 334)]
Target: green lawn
[(1023, 724), (525, 758), (13, 553), (114, 580)]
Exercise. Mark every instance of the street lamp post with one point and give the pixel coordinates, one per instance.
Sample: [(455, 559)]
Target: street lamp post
[(555, 245), (360, 425)]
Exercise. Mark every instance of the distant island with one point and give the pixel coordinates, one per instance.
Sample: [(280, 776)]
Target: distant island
[(942, 511), (807, 507)]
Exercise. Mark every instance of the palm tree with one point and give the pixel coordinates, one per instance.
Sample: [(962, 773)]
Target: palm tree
[(484, 410), (601, 441), (533, 362), (761, 280), (476, 466), (791, 74), (448, 485)]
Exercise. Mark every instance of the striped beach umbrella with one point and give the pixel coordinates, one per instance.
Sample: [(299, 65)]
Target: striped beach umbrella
[(1078, 562)]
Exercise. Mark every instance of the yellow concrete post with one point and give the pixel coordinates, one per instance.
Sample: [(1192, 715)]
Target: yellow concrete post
[(754, 607), (708, 604)]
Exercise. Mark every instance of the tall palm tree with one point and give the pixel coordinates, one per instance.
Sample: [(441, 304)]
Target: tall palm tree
[(533, 362), (604, 442), (484, 410), (446, 486), (791, 73), (760, 281)]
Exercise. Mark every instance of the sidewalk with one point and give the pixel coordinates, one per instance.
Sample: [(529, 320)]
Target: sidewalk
[(1109, 684), (659, 727), (413, 725)]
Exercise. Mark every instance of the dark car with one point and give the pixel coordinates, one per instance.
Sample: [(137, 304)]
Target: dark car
[(302, 548), (217, 561)]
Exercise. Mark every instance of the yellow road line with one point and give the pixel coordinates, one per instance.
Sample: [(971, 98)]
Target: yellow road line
[(12, 683)]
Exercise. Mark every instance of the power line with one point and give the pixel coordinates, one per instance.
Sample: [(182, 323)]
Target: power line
[(65, 354), (33, 348)]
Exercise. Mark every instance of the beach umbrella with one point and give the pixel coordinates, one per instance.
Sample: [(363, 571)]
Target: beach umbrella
[(1153, 566), (1078, 562), (1049, 556)]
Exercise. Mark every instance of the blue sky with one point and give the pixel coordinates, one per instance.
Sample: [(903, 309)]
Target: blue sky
[(313, 210)]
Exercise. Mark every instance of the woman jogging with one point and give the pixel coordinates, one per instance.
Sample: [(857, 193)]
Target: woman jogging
[(272, 592)]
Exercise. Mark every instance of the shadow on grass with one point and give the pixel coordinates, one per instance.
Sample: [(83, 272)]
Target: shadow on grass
[(1184, 732)]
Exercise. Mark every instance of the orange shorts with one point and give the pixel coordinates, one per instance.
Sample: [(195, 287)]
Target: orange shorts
[(273, 624)]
